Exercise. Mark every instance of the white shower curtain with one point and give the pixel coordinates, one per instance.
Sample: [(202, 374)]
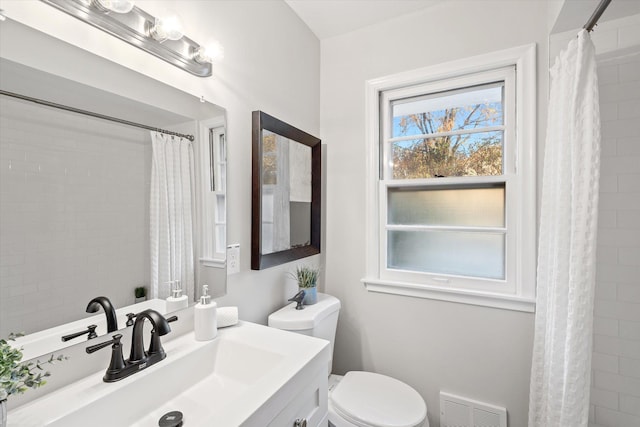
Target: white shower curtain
[(560, 376), (281, 198), (171, 213)]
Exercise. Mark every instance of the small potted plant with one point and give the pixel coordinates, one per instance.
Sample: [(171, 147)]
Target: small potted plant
[(307, 278), (141, 294), (16, 376)]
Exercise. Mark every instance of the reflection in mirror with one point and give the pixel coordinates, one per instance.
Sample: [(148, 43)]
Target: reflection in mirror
[(214, 167), (286, 189), (286, 193), (75, 191)]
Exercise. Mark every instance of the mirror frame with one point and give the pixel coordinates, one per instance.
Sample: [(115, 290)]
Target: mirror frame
[(261, 122)]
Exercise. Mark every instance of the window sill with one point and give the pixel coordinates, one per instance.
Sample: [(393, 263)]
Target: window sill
[(212, 262), (507, 302)]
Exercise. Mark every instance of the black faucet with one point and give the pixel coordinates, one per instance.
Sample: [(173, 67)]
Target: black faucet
[(160, 327), (95, 304), (139, 359)]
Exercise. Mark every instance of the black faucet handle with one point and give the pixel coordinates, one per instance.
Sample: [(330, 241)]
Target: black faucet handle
[(298, 298), (91, 330), (114, 341), (117, 364), (172, 319), (130, 317)]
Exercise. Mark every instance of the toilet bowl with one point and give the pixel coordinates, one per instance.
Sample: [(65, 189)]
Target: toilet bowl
[(357, 399)]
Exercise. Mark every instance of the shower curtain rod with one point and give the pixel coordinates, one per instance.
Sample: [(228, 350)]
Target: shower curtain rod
[(596, 15), (92, 114)]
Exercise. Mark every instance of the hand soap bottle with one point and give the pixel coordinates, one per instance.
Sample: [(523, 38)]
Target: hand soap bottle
[(205, 317), (176, 301)]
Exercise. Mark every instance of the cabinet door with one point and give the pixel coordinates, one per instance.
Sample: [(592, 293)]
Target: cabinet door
[(310, 404)]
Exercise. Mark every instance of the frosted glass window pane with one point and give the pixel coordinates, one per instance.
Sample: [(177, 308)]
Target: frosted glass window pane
[(470, 207), (220, 208), (220, 238), (447, 252), (469, 108), (470, 154)]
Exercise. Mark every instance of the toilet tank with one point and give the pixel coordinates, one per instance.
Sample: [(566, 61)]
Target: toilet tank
[(318, 320)]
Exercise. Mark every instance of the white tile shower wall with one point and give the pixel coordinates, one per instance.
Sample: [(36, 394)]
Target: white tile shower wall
[(615, 394), (73, 214)]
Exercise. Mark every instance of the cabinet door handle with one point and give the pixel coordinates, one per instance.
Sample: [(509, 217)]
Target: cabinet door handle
[(300, 422)]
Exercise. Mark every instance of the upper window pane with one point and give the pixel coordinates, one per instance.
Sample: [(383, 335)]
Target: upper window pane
[(464, 109), (452, 133), (470, 154)]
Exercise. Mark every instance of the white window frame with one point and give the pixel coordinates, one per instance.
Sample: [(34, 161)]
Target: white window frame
[(517, 291), (213, 252)]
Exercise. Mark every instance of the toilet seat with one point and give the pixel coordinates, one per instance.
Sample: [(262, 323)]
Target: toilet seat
[(366, 399)]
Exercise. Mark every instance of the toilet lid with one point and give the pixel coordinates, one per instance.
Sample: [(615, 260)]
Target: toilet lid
[(373, 400)]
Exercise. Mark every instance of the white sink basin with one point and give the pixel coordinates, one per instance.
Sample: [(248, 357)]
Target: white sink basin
[(243, 377)]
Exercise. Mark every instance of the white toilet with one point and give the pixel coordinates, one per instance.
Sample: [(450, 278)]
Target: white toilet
[(359, 399)]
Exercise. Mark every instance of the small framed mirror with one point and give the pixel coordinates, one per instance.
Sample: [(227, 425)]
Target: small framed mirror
[(286, 189)]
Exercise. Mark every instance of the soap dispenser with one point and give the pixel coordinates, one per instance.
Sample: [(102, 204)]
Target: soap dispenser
[(176, 301), (205, 317)]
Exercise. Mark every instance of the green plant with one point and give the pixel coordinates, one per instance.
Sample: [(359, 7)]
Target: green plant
[(306, 276), (17, 377), (140, 292)]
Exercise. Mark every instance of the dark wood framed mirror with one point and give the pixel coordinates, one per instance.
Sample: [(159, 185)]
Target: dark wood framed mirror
[(286, 191)]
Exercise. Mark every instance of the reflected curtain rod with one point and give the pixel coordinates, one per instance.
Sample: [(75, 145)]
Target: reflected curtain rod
[(92, 114), (596, 15)]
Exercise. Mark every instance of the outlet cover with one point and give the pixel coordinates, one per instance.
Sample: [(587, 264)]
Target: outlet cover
[(233, 259)]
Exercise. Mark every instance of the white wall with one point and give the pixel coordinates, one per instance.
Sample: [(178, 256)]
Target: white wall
[(271, 63), (483, 353), (75, 189)]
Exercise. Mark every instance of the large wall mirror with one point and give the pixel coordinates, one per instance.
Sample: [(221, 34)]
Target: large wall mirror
[(285, 193), (76, 190)]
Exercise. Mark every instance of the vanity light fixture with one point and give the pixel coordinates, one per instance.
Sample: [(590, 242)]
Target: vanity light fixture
[(161, 37), (118, 6), (209, 53), (167, 28)]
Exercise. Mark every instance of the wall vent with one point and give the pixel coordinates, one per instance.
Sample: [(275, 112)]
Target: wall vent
[(457, 411)]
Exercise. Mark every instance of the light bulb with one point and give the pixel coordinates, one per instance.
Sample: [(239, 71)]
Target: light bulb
[(168, 27), (118, 6), (209, 53)]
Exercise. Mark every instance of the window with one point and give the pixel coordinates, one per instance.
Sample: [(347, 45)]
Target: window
[(213, 166), (217, 197), (452, 181)]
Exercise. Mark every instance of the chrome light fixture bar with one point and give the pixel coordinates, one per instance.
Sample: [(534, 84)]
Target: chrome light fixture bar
[(136, 27)]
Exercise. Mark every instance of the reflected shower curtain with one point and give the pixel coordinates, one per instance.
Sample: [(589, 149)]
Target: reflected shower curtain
[(171, 213), (281, 198), (561, 368)]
